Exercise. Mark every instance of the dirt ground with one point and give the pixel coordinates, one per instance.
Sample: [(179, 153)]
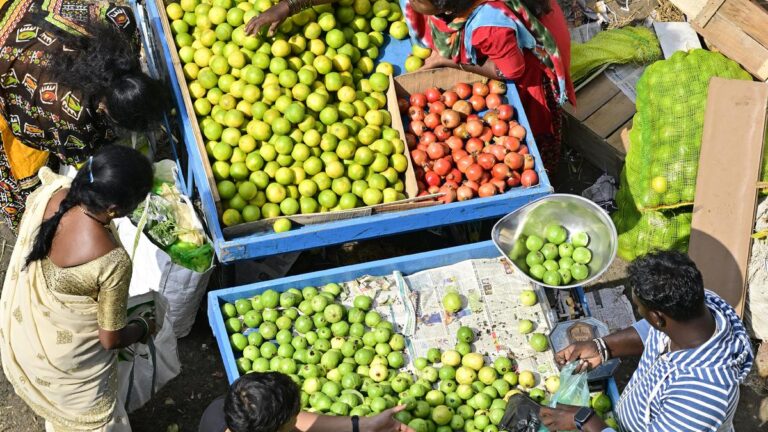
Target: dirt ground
[(179, 405)]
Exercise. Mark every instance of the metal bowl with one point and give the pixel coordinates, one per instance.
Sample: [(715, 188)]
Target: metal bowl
[(576, 214)]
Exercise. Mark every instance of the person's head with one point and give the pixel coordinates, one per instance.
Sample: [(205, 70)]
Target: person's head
[(538, 8), (105, 66), (112, 183), (667, 288), (262, 402)]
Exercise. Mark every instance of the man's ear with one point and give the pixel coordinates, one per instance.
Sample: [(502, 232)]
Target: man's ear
[(657, 319)]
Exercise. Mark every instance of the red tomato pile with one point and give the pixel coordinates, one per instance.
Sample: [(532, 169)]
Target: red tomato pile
[(460, 154)]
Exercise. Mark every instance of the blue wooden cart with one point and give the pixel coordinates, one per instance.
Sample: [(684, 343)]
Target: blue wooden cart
[(330, 233), (406, 265)]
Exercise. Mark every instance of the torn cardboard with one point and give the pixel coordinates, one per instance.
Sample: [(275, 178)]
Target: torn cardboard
[(726, 193)]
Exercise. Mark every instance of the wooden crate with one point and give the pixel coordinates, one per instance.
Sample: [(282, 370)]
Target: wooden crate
[(594, 126), (737, 28)]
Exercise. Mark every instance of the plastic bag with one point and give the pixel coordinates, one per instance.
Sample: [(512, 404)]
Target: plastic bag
[(617, 46), (574, 389), (160, 223), (191, 256)]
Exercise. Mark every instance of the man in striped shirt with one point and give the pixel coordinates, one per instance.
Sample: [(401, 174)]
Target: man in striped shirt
[(694, 354)]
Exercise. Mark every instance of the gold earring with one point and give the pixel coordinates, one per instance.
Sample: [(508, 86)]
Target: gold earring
[(111, 213)]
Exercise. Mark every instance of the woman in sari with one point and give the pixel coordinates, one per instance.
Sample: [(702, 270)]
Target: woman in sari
[(526, 41), (70, 82), (63, 305)]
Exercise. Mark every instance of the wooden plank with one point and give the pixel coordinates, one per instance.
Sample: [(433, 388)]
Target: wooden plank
[(726, 198), (611, 116), (749, 17), (689, 7), (737, 45), (177, 68), (615, 139), (707, 12), (593, 147), (592, 97)]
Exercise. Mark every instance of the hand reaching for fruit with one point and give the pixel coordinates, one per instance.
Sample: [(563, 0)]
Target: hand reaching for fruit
[(385, 422), (585, 352), (435, 60), (272, 17)]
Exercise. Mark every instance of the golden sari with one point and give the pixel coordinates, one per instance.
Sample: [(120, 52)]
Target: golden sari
[(49, 341)]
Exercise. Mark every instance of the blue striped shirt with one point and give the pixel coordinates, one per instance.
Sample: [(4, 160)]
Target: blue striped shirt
[(688, 390)]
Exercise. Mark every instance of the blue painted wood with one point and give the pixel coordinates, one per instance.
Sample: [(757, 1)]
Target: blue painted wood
[(325, 234), (407, 265), (612, 390)]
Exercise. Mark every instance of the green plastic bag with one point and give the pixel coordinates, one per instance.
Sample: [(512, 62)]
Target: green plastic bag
[(617, 46), (197, 258), (574, 389)]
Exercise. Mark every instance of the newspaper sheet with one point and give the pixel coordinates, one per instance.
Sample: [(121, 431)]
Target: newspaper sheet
[(585, 32), (625, 77), (612, 307), (490, 289)]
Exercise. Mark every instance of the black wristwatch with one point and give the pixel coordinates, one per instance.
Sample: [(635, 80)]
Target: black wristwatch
[(582, 417), (355, 423)]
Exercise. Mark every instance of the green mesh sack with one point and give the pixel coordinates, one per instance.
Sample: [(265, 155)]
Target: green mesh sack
[(665, 139), (648, 231), (618, 46)]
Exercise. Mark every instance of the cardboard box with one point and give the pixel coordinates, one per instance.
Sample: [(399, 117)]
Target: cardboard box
[(594, 126), (726, 185), (737, 28)]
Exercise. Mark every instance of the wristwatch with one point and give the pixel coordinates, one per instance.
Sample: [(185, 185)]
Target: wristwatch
[(582, 417)]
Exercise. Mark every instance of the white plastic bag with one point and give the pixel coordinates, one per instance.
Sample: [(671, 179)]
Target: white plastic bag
[(153, 270), (144, 369)]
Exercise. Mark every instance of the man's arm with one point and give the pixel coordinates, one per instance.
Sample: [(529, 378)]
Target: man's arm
[(275, 15), (384, 422), (627, 342), (487, 69)]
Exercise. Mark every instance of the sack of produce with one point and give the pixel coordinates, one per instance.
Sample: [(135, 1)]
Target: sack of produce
[(665, 139), (644, 232), (617, 46)]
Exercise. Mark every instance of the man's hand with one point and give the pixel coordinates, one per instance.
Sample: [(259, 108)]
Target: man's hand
[(435, 60), (272, 17), (384, 422), (560, 418), (585, 352)]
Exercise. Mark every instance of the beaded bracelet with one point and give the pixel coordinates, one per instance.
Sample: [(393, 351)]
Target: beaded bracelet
[(296, 6)]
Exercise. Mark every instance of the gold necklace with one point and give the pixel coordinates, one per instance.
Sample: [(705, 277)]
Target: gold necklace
[(87, 213)]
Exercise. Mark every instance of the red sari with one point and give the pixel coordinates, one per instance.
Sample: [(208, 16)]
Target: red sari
[(532, 78)]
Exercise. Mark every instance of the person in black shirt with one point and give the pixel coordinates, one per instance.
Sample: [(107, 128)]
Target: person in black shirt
[(269, 402)]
